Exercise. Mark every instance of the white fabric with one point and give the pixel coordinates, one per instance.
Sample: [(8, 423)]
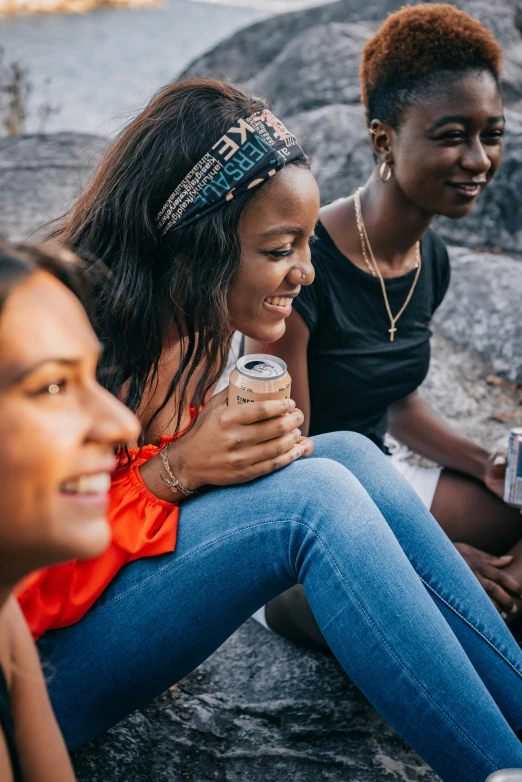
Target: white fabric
[(423, 480), (260, 616)]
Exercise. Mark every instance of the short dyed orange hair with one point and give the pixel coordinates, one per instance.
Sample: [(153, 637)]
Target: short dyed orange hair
[(415, 43)]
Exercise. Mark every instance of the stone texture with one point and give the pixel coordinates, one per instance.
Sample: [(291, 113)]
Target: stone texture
[(40, 177), (317, 68), (246, 53), (482, 309)]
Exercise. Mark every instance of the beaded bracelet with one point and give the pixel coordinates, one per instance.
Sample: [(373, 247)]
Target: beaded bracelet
[(171, 481)]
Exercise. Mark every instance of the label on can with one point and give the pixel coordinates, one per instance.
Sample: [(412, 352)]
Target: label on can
[(513, 484)]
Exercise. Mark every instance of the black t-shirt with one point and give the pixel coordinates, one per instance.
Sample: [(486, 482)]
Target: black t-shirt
[(354, 371)]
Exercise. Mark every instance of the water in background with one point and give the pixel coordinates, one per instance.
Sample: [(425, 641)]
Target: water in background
[(103, 66)]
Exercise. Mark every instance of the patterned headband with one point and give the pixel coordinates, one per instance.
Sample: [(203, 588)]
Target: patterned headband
[(248, 154)]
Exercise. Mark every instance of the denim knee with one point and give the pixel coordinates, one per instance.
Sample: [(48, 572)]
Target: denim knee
[(336, 444), (318, 490)]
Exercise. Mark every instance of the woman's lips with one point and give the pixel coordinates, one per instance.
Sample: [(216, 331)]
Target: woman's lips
[(280, 305), (467, 190), (90, 489)]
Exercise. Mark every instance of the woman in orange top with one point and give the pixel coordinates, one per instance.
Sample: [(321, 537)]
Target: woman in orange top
[(58, 430), (203, 210)]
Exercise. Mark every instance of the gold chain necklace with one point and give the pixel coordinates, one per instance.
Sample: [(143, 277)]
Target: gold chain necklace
[(374, 269)]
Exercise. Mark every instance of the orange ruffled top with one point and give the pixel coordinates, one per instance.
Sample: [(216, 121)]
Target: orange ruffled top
[(142, 526)]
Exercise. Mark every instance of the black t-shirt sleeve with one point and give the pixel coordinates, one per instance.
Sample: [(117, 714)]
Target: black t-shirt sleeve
[(306, 305), (442, 270)]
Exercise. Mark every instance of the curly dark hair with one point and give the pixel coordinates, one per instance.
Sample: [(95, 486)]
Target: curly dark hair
[(416, 49), (161, 285)]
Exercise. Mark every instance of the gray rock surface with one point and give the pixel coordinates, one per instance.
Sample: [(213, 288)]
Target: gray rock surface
[(317, 68), (307, 64), (261, 709), (40, 177), (245, 54), (482, 309)]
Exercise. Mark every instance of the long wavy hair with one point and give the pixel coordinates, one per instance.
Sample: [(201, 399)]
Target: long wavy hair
[(161, 286)]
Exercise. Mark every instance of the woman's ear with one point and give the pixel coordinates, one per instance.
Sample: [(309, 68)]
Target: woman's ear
[(381, 136)]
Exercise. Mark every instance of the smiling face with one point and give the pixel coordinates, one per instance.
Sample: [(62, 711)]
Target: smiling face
[(58, 429), (449, 144), (275, 231)]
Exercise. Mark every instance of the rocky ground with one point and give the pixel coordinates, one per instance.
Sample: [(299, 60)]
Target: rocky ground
[(261, 709)]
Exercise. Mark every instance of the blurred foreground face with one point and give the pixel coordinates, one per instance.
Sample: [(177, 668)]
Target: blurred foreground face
[(58, 431)]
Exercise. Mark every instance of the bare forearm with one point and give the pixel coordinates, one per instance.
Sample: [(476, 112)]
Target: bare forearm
[(416, 425)]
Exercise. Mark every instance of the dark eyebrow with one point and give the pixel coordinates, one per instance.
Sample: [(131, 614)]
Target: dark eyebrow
[(462, 119), (18, 374), (284, 229)]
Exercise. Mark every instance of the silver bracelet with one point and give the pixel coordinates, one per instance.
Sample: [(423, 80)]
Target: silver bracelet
[(171, 481)]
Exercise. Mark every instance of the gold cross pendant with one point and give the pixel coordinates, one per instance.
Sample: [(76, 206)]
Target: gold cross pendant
[(392, 333)]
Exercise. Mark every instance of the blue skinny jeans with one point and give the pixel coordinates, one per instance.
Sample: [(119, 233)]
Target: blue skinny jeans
[(400, 609)]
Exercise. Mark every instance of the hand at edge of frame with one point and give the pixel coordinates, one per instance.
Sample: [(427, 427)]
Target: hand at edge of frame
[(504, 591)]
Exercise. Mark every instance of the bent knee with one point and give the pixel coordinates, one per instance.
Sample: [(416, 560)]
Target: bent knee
[(336, 445)]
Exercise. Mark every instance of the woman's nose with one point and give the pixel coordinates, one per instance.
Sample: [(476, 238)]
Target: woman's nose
[(112, 421), (304, 273), (476, 158)]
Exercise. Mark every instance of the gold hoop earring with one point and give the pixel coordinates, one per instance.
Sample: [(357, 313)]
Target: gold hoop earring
[(385, 171)]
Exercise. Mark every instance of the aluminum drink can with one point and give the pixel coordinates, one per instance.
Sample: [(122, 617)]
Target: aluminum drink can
[(513, 484), (507, 775), (257, 378)]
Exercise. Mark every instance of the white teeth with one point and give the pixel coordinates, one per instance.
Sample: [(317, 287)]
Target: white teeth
[(88, 484), (280, 301)]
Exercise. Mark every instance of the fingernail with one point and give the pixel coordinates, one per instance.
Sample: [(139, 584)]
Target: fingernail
[(514, 610), (297, 432), (300, 450), (291, 404), (499, 459), (504, 615)]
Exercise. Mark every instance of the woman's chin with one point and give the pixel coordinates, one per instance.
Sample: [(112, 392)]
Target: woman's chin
[(91, 540), (265, 334)]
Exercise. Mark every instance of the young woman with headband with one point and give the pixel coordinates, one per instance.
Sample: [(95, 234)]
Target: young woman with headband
[(202, 211), (358, 342), (59, 430)]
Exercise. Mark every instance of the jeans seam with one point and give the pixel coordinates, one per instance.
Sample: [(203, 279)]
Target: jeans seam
[(401, 662), (185, 557), (471, 625), (350, 590)]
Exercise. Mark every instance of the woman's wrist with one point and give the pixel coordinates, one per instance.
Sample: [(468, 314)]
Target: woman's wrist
[(173, 481), (476, 463), (153, 471)]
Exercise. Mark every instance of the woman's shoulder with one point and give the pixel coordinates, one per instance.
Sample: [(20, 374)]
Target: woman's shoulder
[(434, 247), (435, 256)]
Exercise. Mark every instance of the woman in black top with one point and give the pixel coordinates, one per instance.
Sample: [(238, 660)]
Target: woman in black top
[(58, 430), (358, 343)]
